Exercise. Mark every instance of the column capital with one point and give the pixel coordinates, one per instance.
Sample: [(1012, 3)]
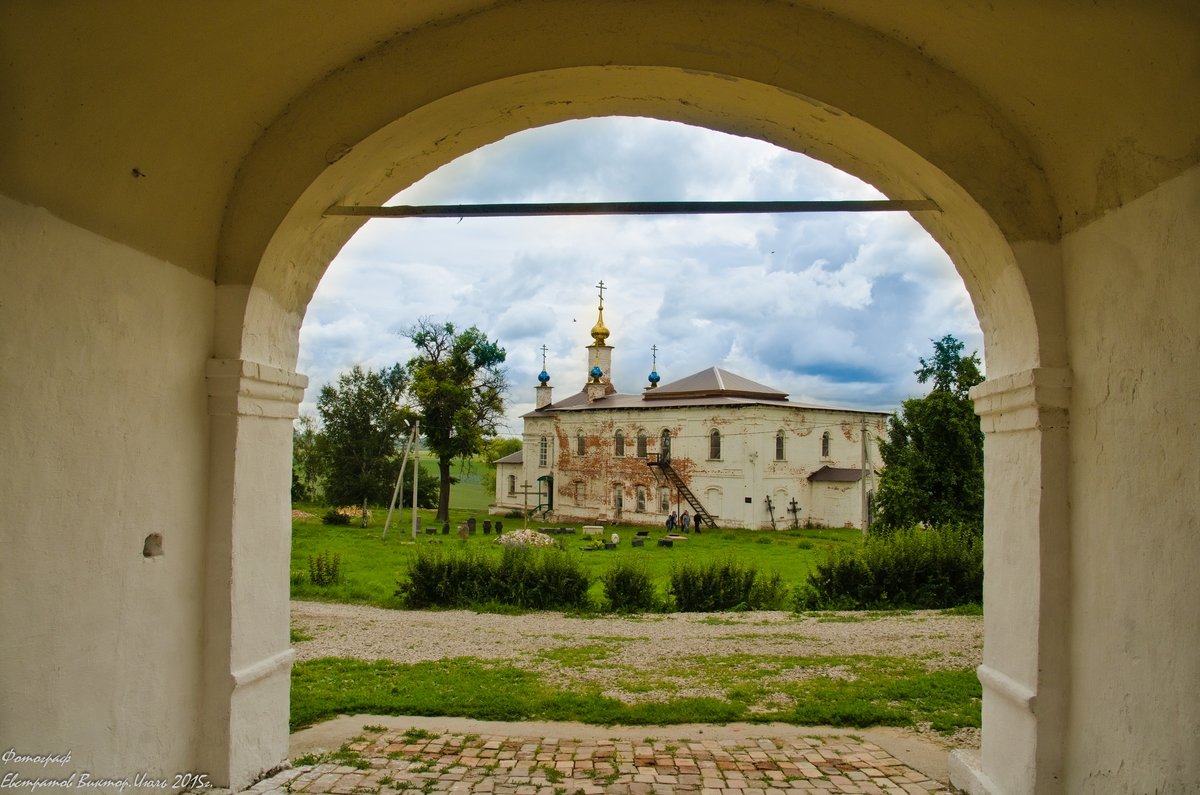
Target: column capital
[(250, 389), (1037, 398)]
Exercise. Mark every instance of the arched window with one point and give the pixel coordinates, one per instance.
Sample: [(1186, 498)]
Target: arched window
[(619, 443), (664, 500), (779, 448), (664, 446), (580, 446), (641, 444), (714, 445), (543, 451), (825, 445), (512, 484), (641, 499)]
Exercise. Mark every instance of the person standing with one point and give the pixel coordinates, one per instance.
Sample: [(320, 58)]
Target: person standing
[(685, 521), (671, 522)]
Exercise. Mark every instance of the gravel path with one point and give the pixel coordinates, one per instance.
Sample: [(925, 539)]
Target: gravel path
[(648, 642), (653, 650)]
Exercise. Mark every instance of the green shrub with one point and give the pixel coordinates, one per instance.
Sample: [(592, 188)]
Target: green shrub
[(335, 517), (915, 567), (325, 568), (729, 585), (629, 588), (537, 579)]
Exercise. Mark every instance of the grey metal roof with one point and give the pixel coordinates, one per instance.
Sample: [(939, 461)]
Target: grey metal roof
[(714, 382), (711, 387), (512, 458), (837, 475)]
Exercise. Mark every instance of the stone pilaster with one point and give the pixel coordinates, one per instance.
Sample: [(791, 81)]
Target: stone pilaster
[(247, 653), (1026, 585)]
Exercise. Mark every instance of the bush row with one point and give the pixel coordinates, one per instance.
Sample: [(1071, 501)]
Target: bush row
[(547, 579), (916, 567), (552, 579), (727, 585)]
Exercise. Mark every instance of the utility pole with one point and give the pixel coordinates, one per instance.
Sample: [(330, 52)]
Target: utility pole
[(862, 481), (399, 483), (416, 447)]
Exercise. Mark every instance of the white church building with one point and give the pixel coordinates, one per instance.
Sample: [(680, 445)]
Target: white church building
[(728, 450)]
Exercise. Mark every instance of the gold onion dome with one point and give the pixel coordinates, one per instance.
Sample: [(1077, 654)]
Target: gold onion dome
[(600, 331)]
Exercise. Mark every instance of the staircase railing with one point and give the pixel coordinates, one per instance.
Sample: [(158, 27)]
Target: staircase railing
[(699, 513)]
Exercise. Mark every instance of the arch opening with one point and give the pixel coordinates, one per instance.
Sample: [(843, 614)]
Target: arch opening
[(272, 262)]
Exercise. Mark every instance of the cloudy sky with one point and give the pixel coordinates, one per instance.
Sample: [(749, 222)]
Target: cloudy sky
[(834, 309)]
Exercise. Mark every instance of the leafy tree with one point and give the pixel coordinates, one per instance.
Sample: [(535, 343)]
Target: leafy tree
[(496, 449), (427, 487), (308, 470), (949, 369), (458, 383), (363, 424), (501, 446), (933, 456)]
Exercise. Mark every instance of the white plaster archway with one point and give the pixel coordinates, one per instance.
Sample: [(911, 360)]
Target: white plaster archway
[(261, 304), (165, 164)]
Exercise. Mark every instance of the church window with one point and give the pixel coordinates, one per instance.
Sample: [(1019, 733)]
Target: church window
[(512, 484), (641, 444), (580, 447), (641, 499), (664, 446), (714, 445), (543, 451), (825, 445), (779, 446), (619, 443), (664, 499)]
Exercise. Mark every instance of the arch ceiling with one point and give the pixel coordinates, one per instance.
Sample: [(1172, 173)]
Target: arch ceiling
[(213, 140)]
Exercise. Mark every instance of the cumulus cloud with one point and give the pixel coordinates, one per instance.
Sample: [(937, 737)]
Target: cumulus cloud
[(833, 309)]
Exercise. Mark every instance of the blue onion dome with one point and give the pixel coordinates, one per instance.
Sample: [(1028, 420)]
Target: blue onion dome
[(654, 377), (597, 372), (543, 377)]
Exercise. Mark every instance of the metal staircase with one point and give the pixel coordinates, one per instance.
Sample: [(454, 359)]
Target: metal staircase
[(663, 465)]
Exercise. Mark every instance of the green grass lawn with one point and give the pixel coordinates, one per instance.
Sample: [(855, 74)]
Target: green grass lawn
[(871, 691), (868, 691), (370, 565)]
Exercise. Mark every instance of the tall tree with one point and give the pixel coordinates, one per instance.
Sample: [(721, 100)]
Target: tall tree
[(307, 465), (933, 457), (949, 370), (363, 423), (459, 384)]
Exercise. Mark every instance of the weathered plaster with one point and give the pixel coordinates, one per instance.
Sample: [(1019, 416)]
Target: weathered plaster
[(105, 441), (1135, 491)]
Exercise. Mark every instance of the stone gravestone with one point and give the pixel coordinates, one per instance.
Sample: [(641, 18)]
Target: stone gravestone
[(499, 527), (487, 527), (445, 528), (471, 525)]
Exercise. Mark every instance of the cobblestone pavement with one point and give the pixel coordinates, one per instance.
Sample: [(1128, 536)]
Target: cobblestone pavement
[(395, 762)]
